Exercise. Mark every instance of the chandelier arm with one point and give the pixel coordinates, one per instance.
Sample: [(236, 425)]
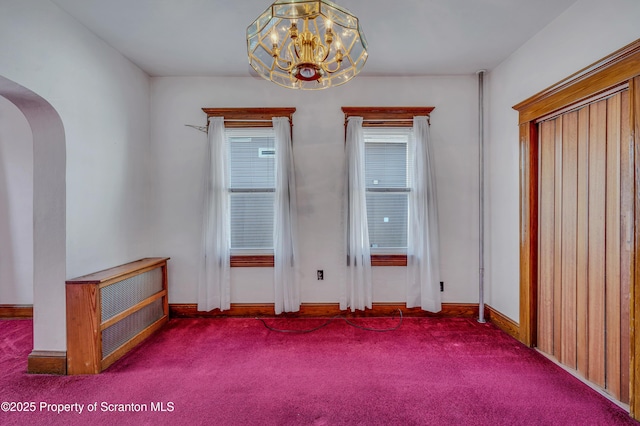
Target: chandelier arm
[(325, 67), (293, 52), (287, 68), (324, 51)]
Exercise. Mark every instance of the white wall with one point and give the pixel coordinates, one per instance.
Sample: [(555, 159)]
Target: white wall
[(16, 206), (586, 32), (103, 101), (318, 138)]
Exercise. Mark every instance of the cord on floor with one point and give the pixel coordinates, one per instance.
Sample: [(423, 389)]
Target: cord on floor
[(329, 322)]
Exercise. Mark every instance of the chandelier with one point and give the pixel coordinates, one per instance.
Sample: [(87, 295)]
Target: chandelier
[(306, 44)]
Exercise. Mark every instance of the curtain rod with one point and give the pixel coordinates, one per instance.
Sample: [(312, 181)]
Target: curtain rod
[(201, 128), (388, 119), (391, 120), (204, 129), (247, 119), (385, 119)]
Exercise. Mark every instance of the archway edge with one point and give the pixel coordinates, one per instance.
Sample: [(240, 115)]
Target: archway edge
[(49, 227)]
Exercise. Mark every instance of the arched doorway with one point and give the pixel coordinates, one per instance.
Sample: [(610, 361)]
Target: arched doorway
[(49, 228), (16, 212)]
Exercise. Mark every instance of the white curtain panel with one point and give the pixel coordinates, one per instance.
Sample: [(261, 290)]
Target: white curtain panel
[(357, 291), (287, 290), (423, 260), (214, 288)]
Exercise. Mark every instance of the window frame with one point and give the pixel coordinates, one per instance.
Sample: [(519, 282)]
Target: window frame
[(251, 118), (373, 137), (401, 116)]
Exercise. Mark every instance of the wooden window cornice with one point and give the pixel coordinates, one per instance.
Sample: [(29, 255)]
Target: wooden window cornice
[(387, 116), (250, 117)]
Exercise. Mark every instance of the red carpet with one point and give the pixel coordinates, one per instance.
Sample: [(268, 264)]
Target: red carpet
[(237, 372)]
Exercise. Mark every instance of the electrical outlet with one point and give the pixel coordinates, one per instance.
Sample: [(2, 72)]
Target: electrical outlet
[(320, 274), (441, 285)]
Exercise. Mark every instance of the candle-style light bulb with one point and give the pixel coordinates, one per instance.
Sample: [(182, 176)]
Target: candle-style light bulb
[(328, 34), (275, 52)]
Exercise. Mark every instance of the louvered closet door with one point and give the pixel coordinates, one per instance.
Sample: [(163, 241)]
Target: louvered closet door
[(585, 239)]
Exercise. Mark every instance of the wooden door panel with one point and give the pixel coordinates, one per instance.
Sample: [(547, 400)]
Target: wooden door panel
[(547, 232), (612, 254), (596, 267), (569, 239), (557, 247), (582, 245), (626, 241)]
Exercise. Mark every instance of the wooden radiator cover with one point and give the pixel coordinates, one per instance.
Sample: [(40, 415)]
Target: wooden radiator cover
[(111, 311)]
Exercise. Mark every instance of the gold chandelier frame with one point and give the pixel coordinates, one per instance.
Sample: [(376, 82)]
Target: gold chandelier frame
[(306, 44)]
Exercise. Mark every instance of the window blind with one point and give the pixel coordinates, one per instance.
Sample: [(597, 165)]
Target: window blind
[(387, 186), (251, 188)]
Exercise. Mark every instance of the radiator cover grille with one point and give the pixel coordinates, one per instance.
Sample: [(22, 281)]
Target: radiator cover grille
[(116, 335), (127, 293)]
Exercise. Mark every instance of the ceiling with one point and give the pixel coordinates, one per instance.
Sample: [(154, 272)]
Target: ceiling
[(406, 37)]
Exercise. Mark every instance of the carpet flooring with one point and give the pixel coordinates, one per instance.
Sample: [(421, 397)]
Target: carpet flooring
[(237, 372)]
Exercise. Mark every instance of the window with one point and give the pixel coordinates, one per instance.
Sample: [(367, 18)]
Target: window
[(388, 132), (251, 189), (387, 188), (250, 141)]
